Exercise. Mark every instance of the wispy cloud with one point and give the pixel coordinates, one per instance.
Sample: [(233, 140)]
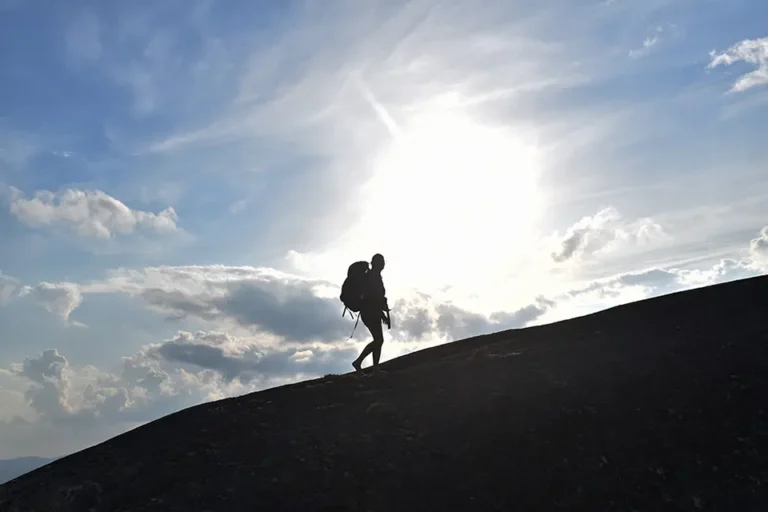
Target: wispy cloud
[(749, 51), (651, 42)]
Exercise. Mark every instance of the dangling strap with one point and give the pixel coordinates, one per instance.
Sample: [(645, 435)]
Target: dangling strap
[(355, 327)]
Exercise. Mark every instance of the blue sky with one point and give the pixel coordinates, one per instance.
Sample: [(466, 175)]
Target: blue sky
[(183, 184)]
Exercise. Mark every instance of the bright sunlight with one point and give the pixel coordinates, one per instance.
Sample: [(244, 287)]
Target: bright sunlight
[(452, 201)]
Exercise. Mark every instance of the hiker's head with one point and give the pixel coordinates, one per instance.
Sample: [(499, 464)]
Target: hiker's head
[(377, 262)]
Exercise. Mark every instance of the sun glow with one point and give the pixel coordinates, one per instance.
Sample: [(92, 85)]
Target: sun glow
[(452, 202)]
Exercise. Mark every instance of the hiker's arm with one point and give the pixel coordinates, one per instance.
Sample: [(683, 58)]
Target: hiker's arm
[(385, 318), (385, 314)]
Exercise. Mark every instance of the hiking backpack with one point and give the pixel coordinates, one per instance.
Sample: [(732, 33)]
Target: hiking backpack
[(353, 289)]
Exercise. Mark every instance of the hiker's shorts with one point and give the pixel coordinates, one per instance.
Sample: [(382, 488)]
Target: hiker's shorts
[(372, 318)]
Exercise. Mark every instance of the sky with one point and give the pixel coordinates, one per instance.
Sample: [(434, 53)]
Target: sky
[(184, 183)]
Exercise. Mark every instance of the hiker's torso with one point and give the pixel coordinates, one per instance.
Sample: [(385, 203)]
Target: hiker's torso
[(375, 294)]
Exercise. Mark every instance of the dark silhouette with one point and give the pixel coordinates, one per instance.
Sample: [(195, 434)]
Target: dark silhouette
[(373, 311)]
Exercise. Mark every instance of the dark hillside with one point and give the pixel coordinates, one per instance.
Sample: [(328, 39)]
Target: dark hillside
[(656, 405)]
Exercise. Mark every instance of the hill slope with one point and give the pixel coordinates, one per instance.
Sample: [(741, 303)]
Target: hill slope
[(655, 405)]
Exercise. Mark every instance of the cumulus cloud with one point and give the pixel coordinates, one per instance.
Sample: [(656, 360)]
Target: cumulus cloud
[(61, 299), (603, 232), (758, 250), (750, 51), (657, 281), (424, 317), (49, 395), (210, 350), (89, 213), (246, 359), (289, 307), (186, 369), (59, 393), (455, 323)]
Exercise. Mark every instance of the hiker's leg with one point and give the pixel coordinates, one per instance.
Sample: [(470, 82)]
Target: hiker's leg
[(376, 353), (377, 331), (365, 316), (372, 320), (367, 350)]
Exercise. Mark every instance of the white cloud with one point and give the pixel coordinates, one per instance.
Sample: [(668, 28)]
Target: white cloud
[(657, 281), (604, 232), (89, 213), (302, 356), (642, 284), (245, 358), (60, 393), (750, 51), (423, 318), (50, 373), (758, 250), (60, 299)]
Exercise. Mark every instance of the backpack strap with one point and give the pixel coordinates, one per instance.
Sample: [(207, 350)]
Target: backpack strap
[(355, 327)]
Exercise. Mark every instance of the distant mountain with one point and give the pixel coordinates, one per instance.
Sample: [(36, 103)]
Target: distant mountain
[(11, 468)]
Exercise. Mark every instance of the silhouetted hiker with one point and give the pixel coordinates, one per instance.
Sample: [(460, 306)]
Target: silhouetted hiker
[(363, 291)]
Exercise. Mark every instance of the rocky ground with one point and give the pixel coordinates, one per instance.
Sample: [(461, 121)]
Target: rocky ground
[(656, 405)]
